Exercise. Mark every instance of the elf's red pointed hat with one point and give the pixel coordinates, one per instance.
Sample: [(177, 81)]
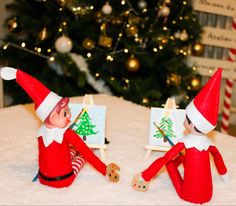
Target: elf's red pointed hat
[(45, 100), (203, 110)]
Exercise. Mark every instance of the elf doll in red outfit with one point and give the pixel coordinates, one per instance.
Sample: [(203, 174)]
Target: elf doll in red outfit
[(201, 117), (58, 162)]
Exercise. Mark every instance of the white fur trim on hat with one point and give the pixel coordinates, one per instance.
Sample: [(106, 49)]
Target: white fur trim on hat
[(47, 105), (198, 120), (8, 73)]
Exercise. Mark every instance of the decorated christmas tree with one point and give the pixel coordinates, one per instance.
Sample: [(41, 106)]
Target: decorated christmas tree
[(166, 125), (133, 49), (85, 126)]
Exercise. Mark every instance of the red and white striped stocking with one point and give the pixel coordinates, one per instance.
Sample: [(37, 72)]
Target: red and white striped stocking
[(72, 153), (77, 163)]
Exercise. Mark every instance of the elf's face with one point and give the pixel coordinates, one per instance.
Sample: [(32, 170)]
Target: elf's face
[(62, 119), (188, 126)]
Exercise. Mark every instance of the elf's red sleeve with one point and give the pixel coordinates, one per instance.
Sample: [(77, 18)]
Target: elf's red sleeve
[(219, 162), (85, 151), (154, 168)]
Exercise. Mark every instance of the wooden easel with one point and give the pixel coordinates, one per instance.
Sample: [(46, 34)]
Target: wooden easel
[(88, 99), (170, 104)]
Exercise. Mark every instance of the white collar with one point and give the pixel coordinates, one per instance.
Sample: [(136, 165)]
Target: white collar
[(50, 135), (200, 142)]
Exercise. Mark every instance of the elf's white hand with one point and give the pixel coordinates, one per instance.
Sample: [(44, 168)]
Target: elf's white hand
[(139, 184), (225, 177)]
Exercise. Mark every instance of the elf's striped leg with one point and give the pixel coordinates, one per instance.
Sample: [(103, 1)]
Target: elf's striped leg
[(72, 153), (77, 164)]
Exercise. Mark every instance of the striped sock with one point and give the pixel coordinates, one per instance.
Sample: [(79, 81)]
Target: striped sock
[(77, 164), (72, 153)]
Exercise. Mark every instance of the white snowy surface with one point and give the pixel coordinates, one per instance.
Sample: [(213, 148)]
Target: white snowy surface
[(127, 129)]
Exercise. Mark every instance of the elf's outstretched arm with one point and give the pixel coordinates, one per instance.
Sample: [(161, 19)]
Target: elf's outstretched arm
[(155, 167), (79, 144), (140, 182), (219, 162)]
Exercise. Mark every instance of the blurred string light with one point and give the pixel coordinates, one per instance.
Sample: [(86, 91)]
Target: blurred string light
[(89, 55), (111, 55), (126, 81), (126, 50), (122, 2), (23, 44), (155, 49), (110, 58), (22, 47), (131, 8)]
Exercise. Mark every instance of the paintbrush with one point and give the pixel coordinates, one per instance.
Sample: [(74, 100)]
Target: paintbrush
[(164, 135), (77, 118)]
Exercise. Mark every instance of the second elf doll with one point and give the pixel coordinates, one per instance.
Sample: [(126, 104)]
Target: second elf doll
[(201, 117)]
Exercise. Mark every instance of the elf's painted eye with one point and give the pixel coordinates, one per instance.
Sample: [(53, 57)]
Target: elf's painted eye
[(65, 113)]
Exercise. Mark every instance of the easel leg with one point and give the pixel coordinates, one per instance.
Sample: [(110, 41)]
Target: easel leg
[(148, 152), (102, 152)]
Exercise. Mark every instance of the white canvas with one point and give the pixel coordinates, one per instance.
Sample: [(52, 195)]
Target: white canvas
[(175, 131), (97, 116)]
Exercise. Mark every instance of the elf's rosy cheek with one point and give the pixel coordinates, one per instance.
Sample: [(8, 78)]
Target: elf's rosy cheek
[(67, 120)]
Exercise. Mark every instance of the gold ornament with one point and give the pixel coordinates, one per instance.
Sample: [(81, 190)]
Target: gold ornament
[(164, 11), (12, 25), (88, 44), (43, 34), (196, 84), (198, 48), (131, 30), (174, 79), (105, 41), (132, 64), (183, 35)]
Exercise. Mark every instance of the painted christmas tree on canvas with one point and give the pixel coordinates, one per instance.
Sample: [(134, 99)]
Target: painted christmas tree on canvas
[(166, 124), (85, 126)]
